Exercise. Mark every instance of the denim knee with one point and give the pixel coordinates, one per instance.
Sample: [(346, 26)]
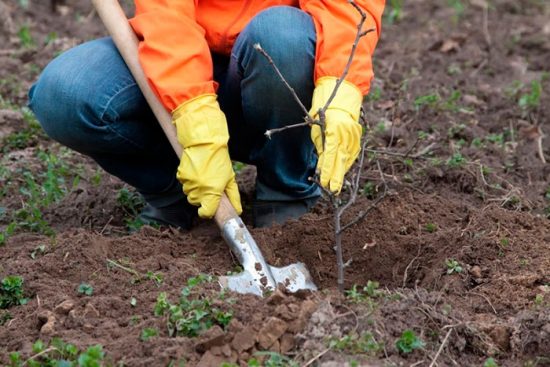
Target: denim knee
[(286, 33), (72, 98)]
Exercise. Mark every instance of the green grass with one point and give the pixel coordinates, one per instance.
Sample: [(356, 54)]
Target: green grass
[(11, 292), (59, 354), (408, 342), (193, 313)]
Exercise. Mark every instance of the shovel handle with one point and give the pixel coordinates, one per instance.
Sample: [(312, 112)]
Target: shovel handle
[(125, 39)]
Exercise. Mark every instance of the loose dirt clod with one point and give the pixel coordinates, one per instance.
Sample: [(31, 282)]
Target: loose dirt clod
[(272, 330)]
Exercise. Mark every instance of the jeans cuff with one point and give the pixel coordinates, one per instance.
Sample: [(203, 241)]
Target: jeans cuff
[(266, 193)]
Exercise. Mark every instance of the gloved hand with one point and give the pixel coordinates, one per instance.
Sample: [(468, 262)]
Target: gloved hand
[(205, 168), (342, 130)]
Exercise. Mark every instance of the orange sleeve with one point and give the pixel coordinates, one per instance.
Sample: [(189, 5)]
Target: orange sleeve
[(173, 51), (336, 25)]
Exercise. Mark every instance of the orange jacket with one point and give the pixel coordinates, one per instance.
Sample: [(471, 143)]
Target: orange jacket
[(176, 37)]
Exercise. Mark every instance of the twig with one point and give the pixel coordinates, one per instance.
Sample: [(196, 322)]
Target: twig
[(419, 155), (259, 48), (312, 360), (129, 270), (47, 350), (441, 347), (270, 132), (106, 224), (539, 146), (407, 268), (362, 215), (352, 53), (486, 299)]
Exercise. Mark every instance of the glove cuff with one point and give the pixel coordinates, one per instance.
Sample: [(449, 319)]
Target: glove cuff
[(200, 121), (348, 98)]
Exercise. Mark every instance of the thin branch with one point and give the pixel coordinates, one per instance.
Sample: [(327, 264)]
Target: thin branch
[(441, 347), (45, 351), (353, 196), (419, 155), (126, 269), (358, 36), (363, 214), (312, 360), (259, 48), (270, 132)]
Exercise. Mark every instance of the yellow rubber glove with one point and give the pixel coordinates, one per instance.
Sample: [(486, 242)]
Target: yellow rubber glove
[(342, 130), (205, 168)]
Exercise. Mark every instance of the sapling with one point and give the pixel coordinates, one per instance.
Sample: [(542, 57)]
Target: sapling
[(339, 204)]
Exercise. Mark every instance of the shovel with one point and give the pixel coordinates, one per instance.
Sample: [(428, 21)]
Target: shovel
[(257, 276)]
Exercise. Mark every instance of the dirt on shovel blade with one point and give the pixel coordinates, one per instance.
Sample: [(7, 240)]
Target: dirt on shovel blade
[(451, 268)]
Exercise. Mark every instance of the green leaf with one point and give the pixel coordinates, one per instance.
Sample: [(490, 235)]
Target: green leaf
[(85, 288)]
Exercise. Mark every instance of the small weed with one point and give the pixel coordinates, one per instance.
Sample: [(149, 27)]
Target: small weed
[(38, 250), (59, 354), (453, 266), (539, 300), (394, 11), (238, 166), (85, 288), (11, 292), (531, 99), (523, 262), (5, 317), (408, 342), (274, 360), (131, 202), (369, 190), (477, 142), (26, 136), (355, 344), (490, 362), (429, 100), (431, 227), (374, 95), (134, 320), (456, 161), (148, 333), (497, 139), (156, 277), (25, 37), (50, 38), (193, 313), (366, 294), (504, 242), (458, 7)]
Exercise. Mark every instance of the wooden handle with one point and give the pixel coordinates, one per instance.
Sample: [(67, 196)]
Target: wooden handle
[(123, 36)]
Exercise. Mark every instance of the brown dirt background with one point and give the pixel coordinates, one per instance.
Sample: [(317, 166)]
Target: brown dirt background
[(493, 223)]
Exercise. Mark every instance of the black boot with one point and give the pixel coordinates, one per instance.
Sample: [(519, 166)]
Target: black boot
[(267, 213)]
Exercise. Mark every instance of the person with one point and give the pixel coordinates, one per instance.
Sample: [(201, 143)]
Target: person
[(200, 60)]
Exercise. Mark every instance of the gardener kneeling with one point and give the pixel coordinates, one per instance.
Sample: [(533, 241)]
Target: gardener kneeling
[(200, 61)]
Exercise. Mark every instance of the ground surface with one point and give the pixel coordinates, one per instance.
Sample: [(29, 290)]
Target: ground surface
[(460, 244)]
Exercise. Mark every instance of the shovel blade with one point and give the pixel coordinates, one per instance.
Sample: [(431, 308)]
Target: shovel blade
[(294, 277)]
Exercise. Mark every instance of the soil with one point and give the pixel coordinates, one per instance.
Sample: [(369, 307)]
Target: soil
[(490, 213)]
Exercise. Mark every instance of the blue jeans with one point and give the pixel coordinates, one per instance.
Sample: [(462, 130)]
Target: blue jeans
[(87, 100)]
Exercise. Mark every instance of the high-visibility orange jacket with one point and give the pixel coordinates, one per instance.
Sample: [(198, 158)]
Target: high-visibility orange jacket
[(177, 36)]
